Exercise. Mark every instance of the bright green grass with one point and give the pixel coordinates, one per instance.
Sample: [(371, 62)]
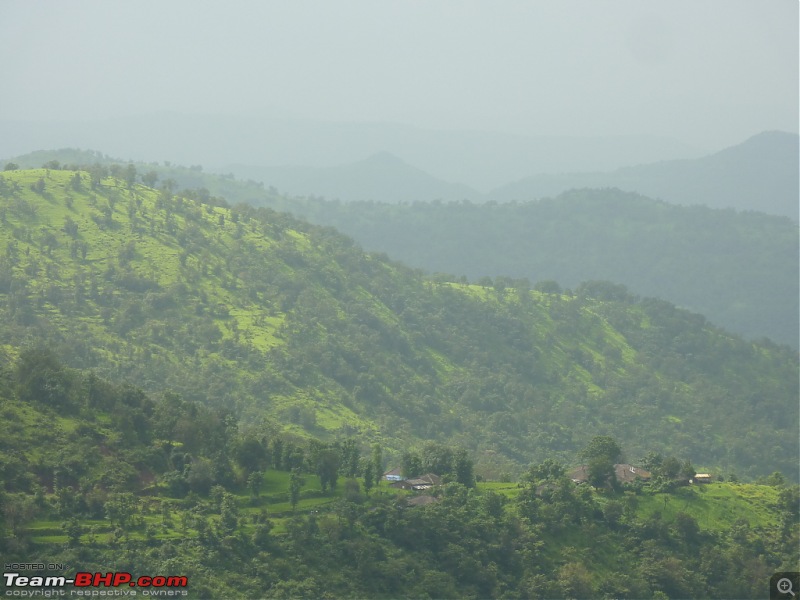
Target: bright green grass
[(715, 506), (508, 489)]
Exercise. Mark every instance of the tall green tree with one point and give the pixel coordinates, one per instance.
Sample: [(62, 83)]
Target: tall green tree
[(295, 483)]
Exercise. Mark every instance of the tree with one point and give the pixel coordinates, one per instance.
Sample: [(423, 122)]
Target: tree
[(411, 465), (547, 470), (295, 483), (328, 468), (548, 286), (200, 476), (437, 458), (150, 178), (76, 182), (462, 467), (377, 463), (601, 454), (11, 166), (250, 454), (602, 446), (127, 174), (350, 457), (254, 483), (369, 476), (41, 378), (601, 473), (228, 514)]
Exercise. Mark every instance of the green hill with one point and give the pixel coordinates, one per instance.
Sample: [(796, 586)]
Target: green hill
[(293, 326), (737, 269)]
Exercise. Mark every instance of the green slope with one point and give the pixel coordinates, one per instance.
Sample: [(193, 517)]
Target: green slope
[(283, 322), (738, 269)]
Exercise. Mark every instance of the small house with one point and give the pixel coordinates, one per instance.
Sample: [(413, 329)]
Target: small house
[(701, 478), (393, 475), (629, 473), (624, 473), (418, 484)]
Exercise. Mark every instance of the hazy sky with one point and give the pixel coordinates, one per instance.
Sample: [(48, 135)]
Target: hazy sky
[(707, 72)]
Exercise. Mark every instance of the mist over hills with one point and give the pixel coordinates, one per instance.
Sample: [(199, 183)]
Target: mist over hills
[(382, 176), (396, 163), (479, 159), (760, 174)]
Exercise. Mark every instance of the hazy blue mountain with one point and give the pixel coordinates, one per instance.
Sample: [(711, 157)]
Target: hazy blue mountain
[(759, 174), (480, 159), (382, 177)]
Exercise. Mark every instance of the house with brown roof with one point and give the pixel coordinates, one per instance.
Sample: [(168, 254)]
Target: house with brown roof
[(624, 473), (629, 473)]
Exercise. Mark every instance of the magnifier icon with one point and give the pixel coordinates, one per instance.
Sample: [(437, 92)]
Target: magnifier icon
[(785, 586)]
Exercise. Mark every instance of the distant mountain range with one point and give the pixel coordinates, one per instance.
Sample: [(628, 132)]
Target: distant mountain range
[(759, 174), (388, 162), (480, 159), (382, 177)]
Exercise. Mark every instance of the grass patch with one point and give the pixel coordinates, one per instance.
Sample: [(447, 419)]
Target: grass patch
[(715, 506)]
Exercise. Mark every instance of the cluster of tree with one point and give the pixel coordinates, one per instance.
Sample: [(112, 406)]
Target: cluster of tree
[(452, 465), (163, 473)]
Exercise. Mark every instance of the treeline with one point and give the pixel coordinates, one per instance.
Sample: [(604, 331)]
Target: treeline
[(120, 434)]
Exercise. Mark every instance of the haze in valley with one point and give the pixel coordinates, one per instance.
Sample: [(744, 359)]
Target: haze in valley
[(475, 93)]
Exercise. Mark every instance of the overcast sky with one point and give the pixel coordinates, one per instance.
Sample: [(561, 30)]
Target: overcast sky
[(706, 72)]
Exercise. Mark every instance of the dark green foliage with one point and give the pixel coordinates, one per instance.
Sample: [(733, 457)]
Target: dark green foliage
[(41, 379), (738, 269), (295, 482), (553, 538)]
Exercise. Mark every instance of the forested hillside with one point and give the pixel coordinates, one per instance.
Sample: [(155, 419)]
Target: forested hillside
[(737, 269), (100, 477), (291, 325)]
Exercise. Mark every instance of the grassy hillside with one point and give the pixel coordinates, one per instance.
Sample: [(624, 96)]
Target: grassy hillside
[(290, 326), (737, 269)]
